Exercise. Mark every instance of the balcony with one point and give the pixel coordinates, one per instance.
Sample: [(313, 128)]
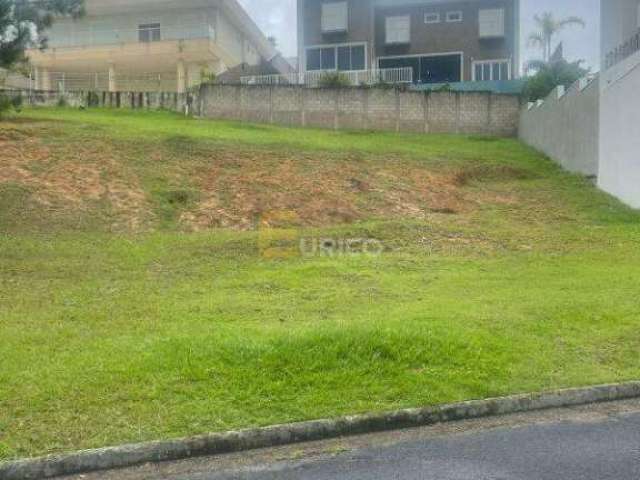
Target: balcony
[(624, 51), (99, 37), (354, 77)]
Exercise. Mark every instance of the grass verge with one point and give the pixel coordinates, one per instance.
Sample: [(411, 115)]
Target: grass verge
[(123, 319)]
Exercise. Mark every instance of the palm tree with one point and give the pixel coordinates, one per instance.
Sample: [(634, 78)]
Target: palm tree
[(548, 27)]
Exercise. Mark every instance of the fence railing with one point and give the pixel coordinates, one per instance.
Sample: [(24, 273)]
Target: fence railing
[(624, 51), (99, 36), (353, 77), (92, 81)]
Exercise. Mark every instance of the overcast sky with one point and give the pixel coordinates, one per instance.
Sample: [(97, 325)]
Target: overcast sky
[(278, 18)]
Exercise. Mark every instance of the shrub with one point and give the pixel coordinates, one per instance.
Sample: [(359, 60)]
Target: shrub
[(550, 75), (334, 80), (93, 100), (10, 102)]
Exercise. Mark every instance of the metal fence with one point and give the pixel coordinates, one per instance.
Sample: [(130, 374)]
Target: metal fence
[(100, 81), (168, 81), (91, 81), (353, 77), (624, 51)]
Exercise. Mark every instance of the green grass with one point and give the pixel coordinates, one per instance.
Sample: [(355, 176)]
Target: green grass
[(111, 335)]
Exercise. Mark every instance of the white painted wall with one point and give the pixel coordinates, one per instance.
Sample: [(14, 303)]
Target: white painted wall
[(619, 167), (565, 127), (619, 172), (112, 29), (235, 43), (620, 19)]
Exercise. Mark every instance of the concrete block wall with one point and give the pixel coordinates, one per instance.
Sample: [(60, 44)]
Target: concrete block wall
[(363, 108), (346, 108), (565, 126)]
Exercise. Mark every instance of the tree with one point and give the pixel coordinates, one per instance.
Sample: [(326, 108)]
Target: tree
[(551, 74), (548, 27), (23, 23), (22, 26)]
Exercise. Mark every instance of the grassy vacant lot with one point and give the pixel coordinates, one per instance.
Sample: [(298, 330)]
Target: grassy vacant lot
[(140, 299)]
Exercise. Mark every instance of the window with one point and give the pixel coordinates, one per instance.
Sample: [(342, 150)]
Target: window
[(328, 58), (351, 58), (428, 68), (454, 17), (491, 70), (398, 30), (313, 59), (431, 18), (336, 57), (491, 23), (149, 32), (358, 58), (335, 17)]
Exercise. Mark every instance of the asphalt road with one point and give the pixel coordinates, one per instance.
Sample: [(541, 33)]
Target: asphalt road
[(589, 443), (604, 450)]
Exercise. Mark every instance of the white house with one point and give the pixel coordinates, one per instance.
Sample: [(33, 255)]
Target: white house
[(148, 44)]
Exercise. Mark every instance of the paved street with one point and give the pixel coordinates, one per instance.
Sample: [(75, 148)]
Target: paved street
[(589, 443)]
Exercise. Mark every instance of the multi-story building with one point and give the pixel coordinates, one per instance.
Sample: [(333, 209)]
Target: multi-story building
[(149, 44), (440, 40)]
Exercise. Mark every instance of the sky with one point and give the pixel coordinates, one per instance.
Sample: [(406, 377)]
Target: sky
[(278, 18)]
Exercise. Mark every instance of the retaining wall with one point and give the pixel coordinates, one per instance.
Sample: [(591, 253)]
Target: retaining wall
[(565, 126), (619, 172), (345, 108), (363, 108)]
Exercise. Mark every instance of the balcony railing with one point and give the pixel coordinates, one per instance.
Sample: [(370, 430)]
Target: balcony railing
[(59, 38), (624, 51), (354, 77)]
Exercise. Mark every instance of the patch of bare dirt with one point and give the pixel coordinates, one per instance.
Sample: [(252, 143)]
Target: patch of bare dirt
[(494, 173), (240, 188), (73, 178)]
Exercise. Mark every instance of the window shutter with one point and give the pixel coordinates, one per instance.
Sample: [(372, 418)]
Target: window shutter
[(491, 23), (398, 29), (335, 17)]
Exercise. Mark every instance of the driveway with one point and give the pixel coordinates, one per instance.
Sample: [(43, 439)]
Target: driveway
[(598, 442)]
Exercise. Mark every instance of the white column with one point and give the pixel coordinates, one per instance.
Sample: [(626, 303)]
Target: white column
[(113, 87), (181, 77)]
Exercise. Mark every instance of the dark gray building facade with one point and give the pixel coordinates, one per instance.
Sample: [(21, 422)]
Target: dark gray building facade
[(441, 40)]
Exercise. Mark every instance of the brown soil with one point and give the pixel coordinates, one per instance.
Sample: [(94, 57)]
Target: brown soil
[(71, 178), (240, 189), (243, 188)]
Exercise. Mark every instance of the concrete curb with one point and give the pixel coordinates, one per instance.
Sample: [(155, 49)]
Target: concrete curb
[(219, 443)]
